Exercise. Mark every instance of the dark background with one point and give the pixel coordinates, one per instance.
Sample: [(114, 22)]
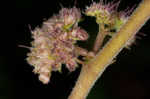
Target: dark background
[(127, 78)]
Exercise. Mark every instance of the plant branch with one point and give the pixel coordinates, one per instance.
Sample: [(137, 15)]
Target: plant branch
[(94, 69), (100, 38)]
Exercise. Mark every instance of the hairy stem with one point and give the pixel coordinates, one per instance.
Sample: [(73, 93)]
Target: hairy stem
[(96, 66), (100, 38)]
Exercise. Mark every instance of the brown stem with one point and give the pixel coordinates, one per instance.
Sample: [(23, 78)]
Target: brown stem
[(100, 38)]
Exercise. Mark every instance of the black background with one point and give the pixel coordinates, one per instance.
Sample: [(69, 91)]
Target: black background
[(127, 78)]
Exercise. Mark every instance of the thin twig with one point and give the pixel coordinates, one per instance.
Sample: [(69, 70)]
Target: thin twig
[(100, 38)]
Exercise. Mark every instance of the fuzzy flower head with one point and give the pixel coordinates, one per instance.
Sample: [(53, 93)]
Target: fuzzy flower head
[(101, 11), (54, 44), (69, 16), (107, 15), (98, 10)]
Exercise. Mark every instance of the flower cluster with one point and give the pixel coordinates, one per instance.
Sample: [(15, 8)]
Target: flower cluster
[(107, 14), (108, 18), (54, 44)]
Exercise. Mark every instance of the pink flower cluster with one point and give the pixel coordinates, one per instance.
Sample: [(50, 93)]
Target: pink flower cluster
[(106, 13), (100, 8), (54, 44), (108, 17)]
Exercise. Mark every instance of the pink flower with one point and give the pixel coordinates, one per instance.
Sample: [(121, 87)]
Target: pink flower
[(70, 16), (54, 43)]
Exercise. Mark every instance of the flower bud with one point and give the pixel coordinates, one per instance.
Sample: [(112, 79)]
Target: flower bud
[(79, 34)]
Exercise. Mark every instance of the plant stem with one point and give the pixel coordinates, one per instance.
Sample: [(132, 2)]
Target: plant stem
[(100, 38), (94, 69)]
